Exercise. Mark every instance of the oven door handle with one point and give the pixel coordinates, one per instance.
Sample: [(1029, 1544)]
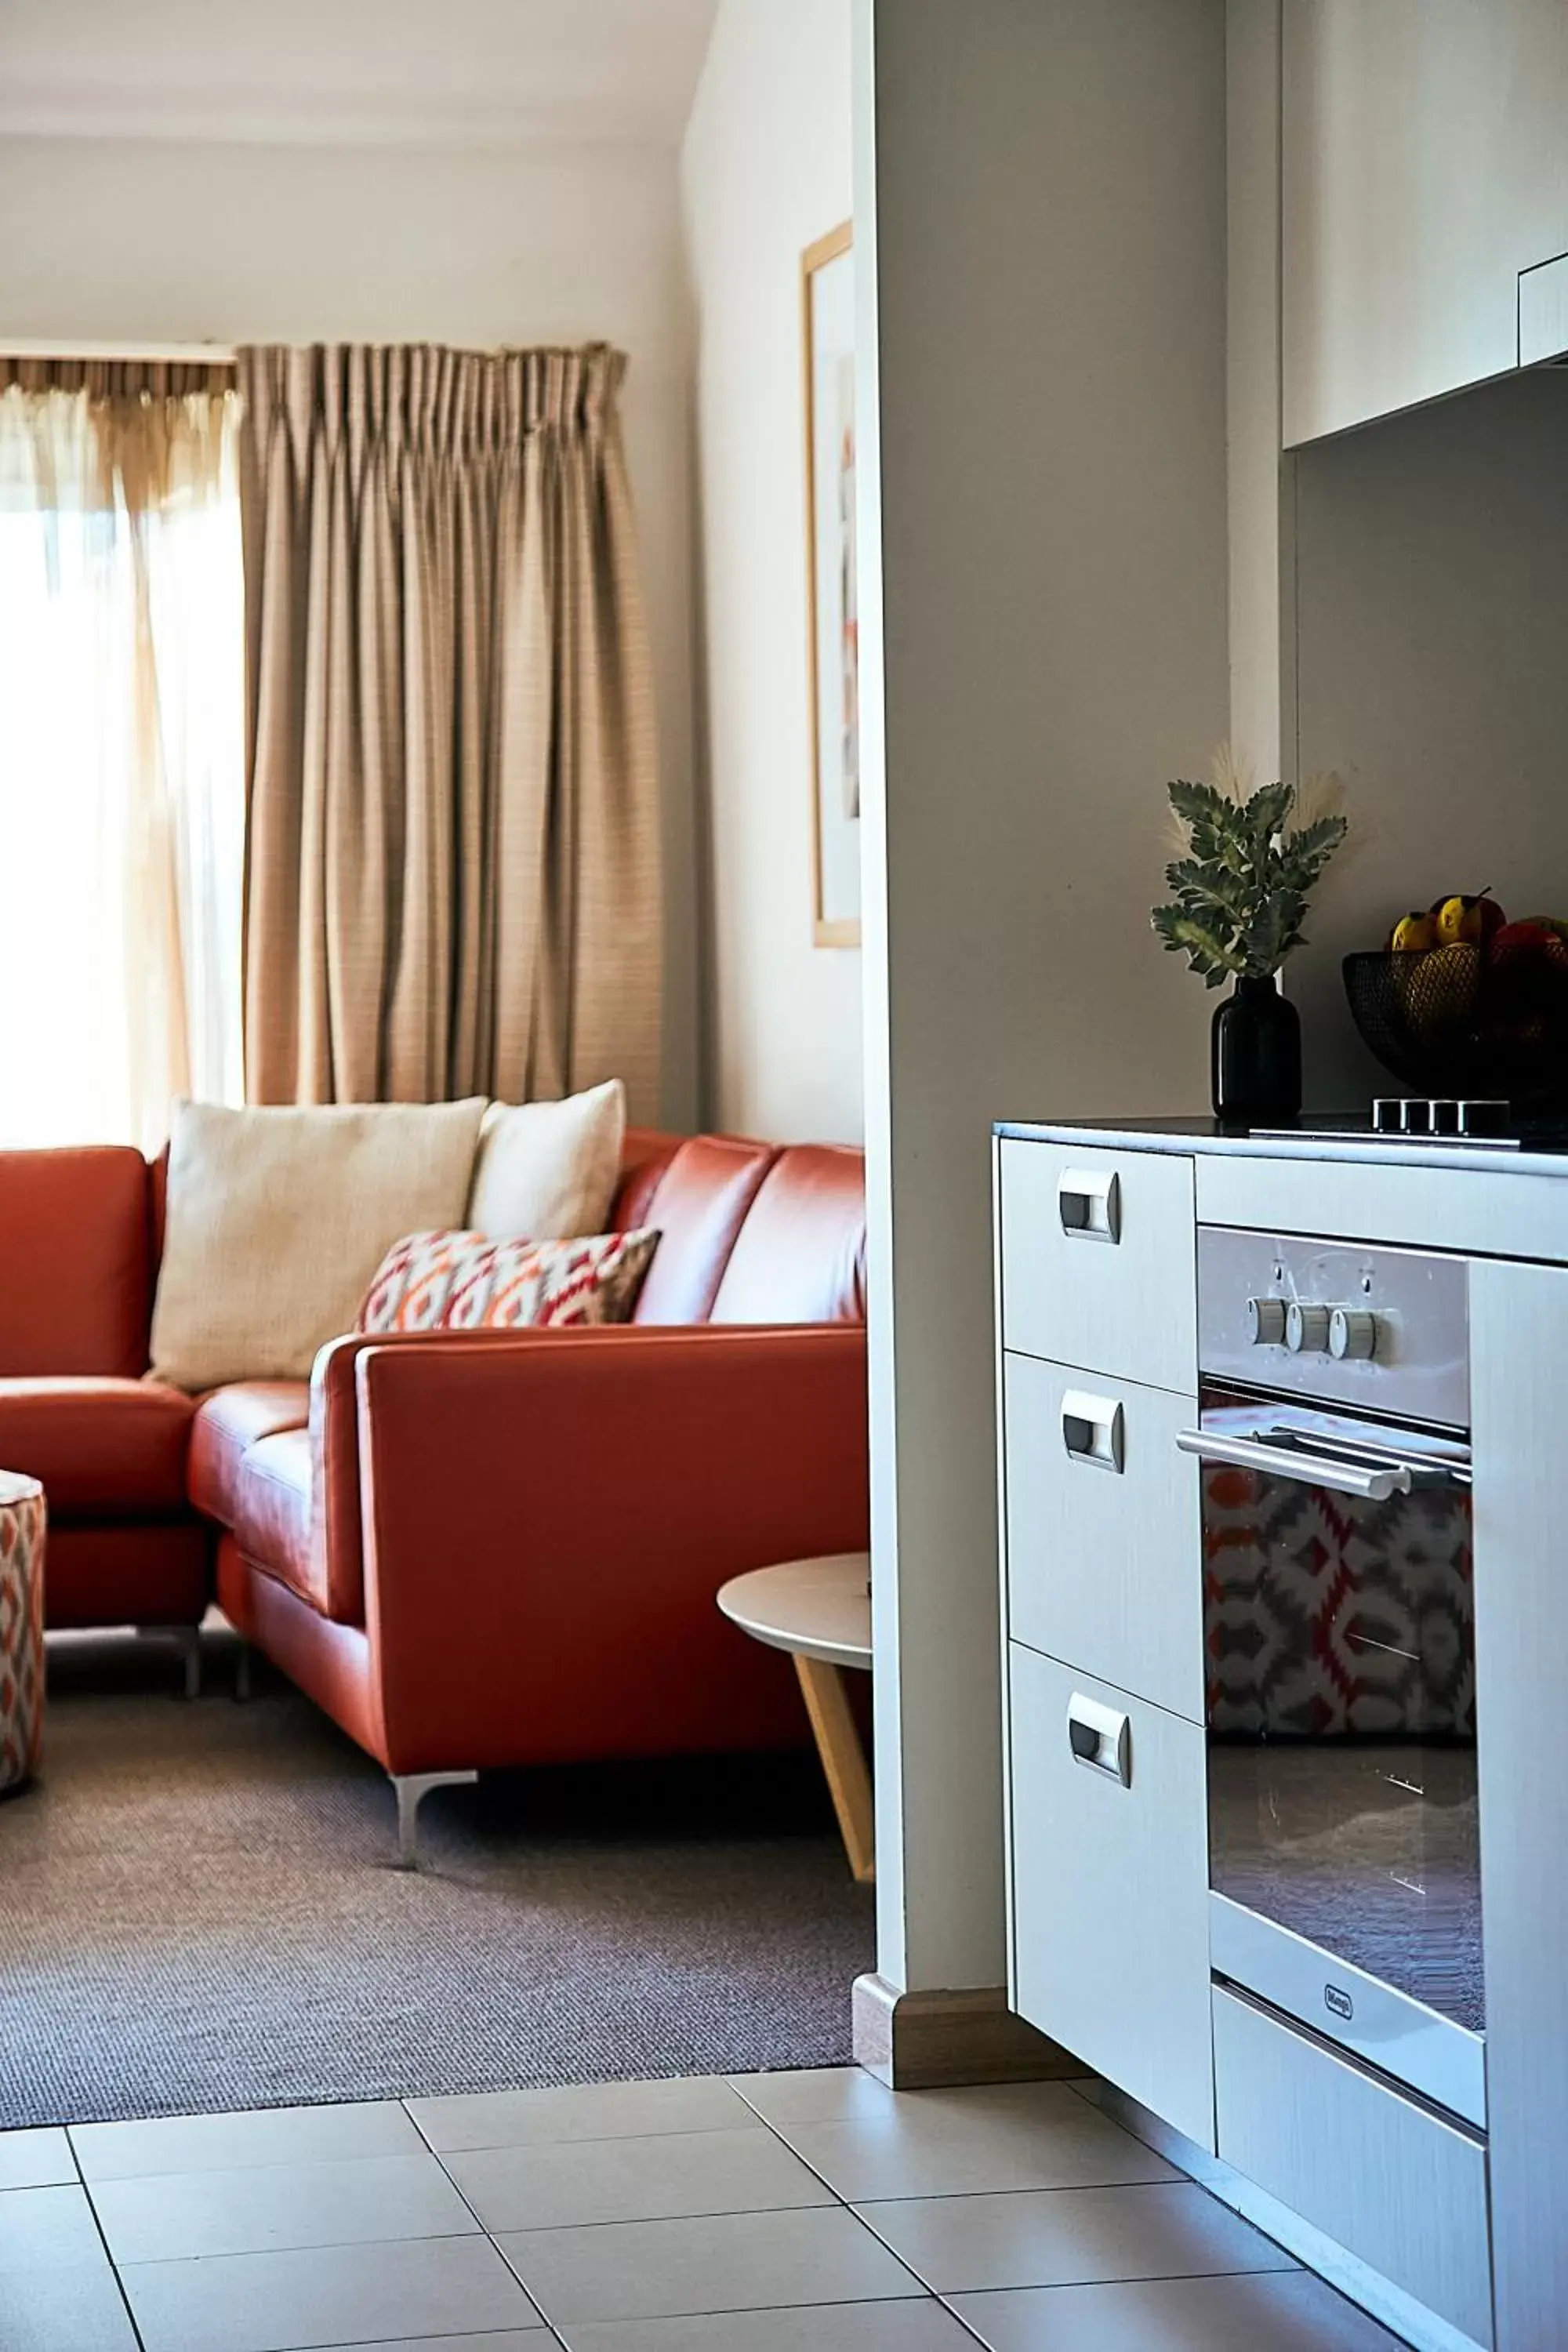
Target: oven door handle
[(1370, 1484)]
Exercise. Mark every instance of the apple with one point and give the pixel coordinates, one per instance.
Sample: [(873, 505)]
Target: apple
[(1529, 937), (1535, 940), (1467, 919)]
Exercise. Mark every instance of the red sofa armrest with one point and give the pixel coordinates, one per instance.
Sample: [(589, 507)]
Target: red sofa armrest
[(335, 1505), (548, 1517)]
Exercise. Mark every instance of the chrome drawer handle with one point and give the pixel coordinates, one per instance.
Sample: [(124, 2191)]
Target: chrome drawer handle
[(1090, 1203), (1372, 1484), (1100, 1739), (1094, 1430)]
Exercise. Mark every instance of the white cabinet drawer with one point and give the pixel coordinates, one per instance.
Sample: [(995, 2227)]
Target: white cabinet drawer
[(1109, 1882), (1098, 1260), (1104, 1542), (1380, 2176)]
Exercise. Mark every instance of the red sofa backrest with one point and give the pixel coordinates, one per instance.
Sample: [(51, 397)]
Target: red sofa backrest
[(749, 1234), (76, 1279), (800, 1256)]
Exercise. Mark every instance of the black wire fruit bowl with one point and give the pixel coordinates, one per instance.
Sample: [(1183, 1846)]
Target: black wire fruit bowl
[(1456, 1021)]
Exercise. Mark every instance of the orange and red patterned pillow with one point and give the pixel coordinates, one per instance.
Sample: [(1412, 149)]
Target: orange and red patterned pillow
[(470, 1282)]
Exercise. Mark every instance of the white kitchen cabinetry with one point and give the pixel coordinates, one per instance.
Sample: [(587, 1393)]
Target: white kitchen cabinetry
[(1443, 2213), (1403, 2189), (1425, 168), (1090, 1240), (1109, 1888), (1102, 1531), (1519, 1387), (1103, 1615)]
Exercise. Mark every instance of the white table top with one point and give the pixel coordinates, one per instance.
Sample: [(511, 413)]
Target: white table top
[(16, 1487), (815, 1608)]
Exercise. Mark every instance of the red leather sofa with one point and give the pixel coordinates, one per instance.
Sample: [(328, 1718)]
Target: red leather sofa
[(471, 1552)]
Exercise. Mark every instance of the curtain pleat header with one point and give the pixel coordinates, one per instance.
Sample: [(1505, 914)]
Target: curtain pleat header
[(428, 398), (118, 380)]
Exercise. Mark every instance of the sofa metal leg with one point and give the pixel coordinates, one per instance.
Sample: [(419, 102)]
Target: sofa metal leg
[(413, 1788), (188, 1640)]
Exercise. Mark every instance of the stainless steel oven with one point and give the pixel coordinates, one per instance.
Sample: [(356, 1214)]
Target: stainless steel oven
[(1333, 1431)]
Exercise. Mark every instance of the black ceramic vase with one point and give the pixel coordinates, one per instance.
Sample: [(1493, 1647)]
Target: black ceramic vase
[(1256, 1056)]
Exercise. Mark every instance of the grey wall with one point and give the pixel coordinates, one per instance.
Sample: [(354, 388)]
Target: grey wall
[(1432, 673), (1040, 211)]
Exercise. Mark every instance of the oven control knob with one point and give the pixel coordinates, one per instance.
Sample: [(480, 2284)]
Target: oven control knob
[(1266, 1322), (1306, 1330), (1353, 1333)]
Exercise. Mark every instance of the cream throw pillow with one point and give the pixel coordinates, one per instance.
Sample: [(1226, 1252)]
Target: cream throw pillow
[(279, 1218), (549, 1170)]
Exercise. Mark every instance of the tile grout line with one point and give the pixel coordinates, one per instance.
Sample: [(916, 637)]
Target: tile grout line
[(119, 2287), (550, 2333), (510, 2267)]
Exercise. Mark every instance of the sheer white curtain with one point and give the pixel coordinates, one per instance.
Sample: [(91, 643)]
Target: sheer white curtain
[(121, 754)]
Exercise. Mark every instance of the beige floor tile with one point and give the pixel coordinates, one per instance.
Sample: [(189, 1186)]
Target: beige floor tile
[(34, 2159), (78, 2308), (1062, 2237), (259, 2207), (737, 2262), (994, 2107), (334, 2294), (507, 2339), (815, 2094), (1275, 2312), (47, 2229), (941, 2144), (579, 2111), (652, 2179), (923, 2326), (222, 2143)]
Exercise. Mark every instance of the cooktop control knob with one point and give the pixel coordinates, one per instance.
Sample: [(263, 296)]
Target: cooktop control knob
[(1266, 1322), (1306, 1330), (1353, 1334)]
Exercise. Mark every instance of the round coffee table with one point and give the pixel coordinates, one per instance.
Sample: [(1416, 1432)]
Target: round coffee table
[(820, 1611), (23, 1519)]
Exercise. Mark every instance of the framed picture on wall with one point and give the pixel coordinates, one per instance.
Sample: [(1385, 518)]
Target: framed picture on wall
[(827, 308)]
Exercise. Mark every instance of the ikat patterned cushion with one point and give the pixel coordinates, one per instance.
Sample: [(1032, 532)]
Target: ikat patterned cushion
[(469, 1282)]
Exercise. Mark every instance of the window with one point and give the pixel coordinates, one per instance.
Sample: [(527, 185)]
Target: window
[(122, 762)]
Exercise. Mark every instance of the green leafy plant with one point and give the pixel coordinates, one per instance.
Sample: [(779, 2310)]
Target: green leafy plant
[(1240, 891)]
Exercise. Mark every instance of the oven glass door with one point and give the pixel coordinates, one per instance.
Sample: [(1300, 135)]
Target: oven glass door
[(1340, 1693)]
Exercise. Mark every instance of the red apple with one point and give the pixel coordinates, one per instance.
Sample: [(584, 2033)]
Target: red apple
[(1527, 937)]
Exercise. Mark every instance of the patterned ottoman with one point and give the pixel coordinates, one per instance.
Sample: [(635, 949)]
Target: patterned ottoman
[(22, 1523)]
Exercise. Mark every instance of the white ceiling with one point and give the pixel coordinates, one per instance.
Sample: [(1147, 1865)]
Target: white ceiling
[(442, 71)]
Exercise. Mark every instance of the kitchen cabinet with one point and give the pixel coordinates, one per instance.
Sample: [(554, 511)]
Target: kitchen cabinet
[(1375, 2171), (1394, 2104), (1425, 174), (1107, 1784), (1519, 1378), (1086, 1234), (1103, 1530), (1110, 1891)]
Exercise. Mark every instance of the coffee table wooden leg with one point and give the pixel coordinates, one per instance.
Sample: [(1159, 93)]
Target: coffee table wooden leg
[(843, 1760)]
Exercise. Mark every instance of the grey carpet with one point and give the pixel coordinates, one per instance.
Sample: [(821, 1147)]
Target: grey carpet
[(197, 1911)]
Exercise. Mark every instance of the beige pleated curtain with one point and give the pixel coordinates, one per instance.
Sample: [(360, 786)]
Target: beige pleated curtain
[(453, 877)]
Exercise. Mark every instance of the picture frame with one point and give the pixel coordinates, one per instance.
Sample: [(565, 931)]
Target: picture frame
[(828, 346)]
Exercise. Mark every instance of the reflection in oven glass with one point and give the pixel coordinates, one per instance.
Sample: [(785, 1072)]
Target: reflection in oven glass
[(1369, 1850), (1341, 1668)]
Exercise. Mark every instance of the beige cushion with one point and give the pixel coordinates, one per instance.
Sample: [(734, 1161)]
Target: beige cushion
[(549, 1170), (278, 1219)]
